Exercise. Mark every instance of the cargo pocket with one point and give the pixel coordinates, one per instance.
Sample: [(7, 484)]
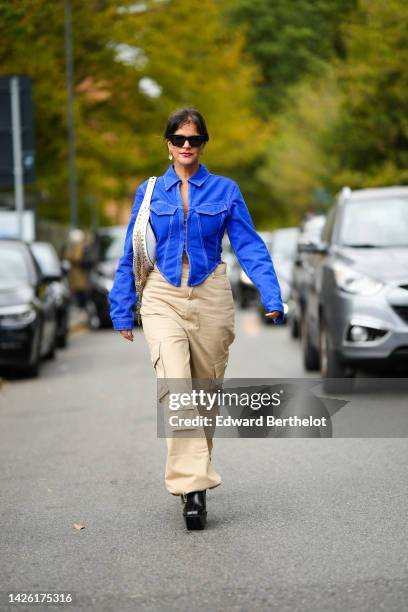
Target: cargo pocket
[(157, 362), (219, 369)]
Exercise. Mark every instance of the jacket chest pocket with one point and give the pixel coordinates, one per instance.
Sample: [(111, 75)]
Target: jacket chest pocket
[(162, 217), (211, 216)]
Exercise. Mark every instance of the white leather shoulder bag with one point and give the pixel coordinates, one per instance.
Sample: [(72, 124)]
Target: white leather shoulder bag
[(144, 245)]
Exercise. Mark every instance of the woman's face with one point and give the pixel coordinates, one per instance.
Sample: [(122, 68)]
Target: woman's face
[(186, 155)]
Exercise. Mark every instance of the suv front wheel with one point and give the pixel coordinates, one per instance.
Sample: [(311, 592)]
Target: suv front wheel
[(331, 367), (310, 353)]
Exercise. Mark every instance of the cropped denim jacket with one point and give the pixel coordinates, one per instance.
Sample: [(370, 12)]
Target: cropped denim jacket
[(215, 205)]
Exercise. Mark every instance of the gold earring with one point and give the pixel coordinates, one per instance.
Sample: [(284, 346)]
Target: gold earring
[(170, 157)]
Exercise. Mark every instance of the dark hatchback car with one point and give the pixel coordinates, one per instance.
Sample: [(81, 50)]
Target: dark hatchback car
[(28, 318), (56, 273), (356, 313)]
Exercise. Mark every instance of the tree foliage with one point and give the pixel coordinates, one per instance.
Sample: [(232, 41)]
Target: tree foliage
[(193, 57), (296, 167), (345, 124), (369, 139), (290, 40), (300, 97)]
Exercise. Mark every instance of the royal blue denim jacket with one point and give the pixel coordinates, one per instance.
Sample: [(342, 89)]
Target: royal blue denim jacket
[(215, 205)]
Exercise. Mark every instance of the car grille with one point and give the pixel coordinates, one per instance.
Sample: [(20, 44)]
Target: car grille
[(402, 311)]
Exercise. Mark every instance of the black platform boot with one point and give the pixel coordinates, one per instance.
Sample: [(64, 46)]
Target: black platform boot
[(194, 511)]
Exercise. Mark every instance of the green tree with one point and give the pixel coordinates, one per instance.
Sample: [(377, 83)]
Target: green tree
[(293, 44), (289, 40), (296, 167), (32, 42), (346, 125), (186, 56), (369, 140)]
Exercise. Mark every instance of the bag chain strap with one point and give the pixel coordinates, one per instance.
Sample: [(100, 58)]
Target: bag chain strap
[(141, 263)]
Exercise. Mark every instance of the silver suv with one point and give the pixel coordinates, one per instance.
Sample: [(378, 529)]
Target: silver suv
[(356, 312)]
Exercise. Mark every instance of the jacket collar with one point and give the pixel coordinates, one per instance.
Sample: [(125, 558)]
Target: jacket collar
[(198, 178)]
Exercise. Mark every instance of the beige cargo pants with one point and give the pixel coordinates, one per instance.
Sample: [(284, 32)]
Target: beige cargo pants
[(189, 331)]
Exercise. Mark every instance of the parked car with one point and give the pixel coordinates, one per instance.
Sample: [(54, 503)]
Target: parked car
[(246, 291), (356, 312), (282, 247), (28, 312), (108, 250), (309, 233), (56, 273)]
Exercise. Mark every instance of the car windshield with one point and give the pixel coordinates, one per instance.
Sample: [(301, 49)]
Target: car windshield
[(375, 223), (47, 258), (14, 268)]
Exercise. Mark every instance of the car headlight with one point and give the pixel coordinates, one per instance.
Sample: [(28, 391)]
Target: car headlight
[(354, 282), (17, 316)]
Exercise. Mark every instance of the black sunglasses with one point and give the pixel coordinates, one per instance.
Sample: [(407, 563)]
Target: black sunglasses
[(178, 140)]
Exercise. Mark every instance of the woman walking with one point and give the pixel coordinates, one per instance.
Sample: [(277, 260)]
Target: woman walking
[(187, 308)]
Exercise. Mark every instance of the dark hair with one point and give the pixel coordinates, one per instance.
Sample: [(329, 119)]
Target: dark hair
[(185, 115)]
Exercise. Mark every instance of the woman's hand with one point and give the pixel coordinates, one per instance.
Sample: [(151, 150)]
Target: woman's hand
[(127, 333), (273, 315)]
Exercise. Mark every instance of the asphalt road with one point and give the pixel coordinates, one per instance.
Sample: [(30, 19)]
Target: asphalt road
[(306, 525)]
